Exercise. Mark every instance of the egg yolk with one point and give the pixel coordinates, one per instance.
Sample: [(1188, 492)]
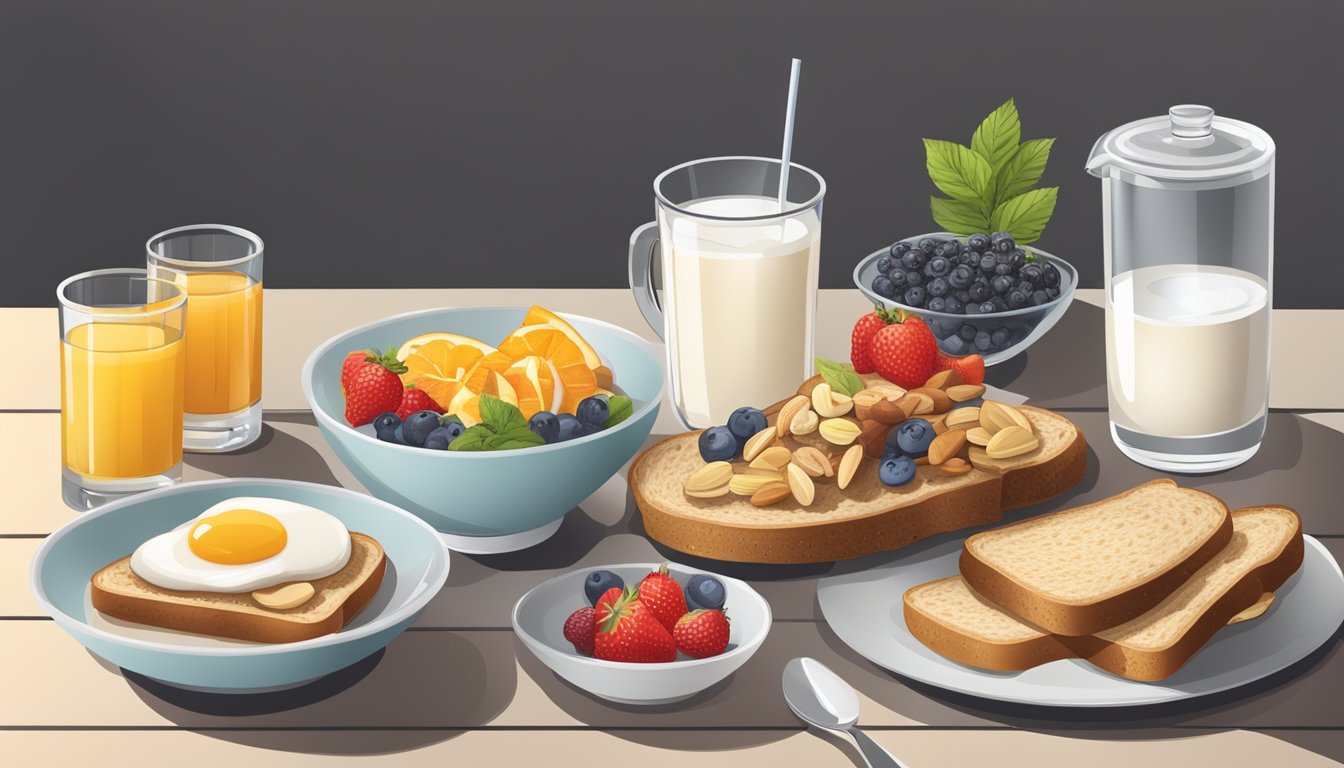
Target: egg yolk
[(237, 536)]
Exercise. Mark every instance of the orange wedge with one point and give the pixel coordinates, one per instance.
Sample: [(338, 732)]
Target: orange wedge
[(466, 404), (561, 355), (542, 316), (439, 362), (537, 385)]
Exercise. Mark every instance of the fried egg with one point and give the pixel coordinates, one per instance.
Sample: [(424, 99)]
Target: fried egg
[(245, 543)]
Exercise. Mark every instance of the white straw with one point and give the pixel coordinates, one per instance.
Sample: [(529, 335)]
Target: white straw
[(788, 132)]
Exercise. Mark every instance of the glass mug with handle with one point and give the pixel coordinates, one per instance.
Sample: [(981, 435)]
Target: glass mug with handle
[(738, 282)]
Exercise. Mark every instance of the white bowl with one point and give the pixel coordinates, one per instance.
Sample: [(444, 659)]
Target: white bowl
[(539, 619)]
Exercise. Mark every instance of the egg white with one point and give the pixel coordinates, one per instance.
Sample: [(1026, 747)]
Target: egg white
[(317, 545)]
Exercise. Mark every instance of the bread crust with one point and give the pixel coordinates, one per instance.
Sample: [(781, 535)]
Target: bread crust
[(1070, 619), (209, 615)]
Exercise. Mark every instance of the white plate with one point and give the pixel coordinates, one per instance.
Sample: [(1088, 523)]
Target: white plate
[(864, 609)]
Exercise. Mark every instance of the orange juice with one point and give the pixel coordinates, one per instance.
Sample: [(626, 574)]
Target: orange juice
[(121, 399), (223, 342)]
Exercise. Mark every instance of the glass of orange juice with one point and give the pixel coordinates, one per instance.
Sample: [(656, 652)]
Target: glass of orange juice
[(221, 269), (123, 366)]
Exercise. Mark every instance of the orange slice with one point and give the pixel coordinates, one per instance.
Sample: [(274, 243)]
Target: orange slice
[(466, 404), (537, 385), (559, 352), (439, 363), (542, 316)]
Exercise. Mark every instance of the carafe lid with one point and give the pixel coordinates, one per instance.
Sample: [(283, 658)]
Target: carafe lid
[(1188, 147)]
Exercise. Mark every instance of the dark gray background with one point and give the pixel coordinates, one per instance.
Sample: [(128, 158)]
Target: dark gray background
[(389, 143)]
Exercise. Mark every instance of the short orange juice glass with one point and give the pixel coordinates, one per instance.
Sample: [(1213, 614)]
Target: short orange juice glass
[(221, 269), (123, 366)]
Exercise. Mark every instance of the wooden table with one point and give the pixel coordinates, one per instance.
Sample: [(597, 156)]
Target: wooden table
[(459, 689)]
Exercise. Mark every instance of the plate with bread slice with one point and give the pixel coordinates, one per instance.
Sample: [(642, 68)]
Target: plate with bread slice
[(1158, 594), (239, 585)]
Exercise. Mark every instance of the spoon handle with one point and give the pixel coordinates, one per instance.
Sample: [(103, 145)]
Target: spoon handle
[(876, 755)]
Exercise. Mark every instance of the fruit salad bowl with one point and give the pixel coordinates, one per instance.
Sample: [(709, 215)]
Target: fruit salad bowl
[(995, 336), (485, 501)]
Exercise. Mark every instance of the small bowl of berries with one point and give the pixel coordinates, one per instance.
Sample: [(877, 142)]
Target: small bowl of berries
[(980, 294), (642, 633)]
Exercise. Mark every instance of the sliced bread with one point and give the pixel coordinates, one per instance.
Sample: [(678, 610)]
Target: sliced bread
[(1083, 570), (1265, 549), (338, 598)]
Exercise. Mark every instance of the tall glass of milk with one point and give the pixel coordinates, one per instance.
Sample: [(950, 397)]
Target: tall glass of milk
[(737, 294), (1188, 228)]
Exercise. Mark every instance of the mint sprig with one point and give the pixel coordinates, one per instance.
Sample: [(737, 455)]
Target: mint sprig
[(620, 408), (840, 376), (502, 428), (989, 185)]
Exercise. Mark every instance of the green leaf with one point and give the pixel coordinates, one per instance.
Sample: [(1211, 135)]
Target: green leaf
[(958, 217), (842, 378), (499, 415), (1023, 169), (1025, 216), (960, 173), (997, 137), (474, 439), (620, 409), (447, 419), (513, 439)]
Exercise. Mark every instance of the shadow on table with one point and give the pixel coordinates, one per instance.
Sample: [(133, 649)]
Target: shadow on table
[(275, 454)]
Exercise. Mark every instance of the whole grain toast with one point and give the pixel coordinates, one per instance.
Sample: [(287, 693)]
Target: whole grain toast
[(1083, 570), (1265, 549), (338, 598), (866, 517)]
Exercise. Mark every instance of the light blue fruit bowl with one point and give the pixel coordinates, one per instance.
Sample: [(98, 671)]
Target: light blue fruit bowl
[(417, 567), (485, 502)]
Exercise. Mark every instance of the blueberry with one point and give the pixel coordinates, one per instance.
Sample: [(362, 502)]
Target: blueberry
[(896, 471), (1050, 275), (705, 592), (913, 437), (952, 345), (988, 263), (897, 277), (914, 297), (1039, 297), (745, 422), (998, 303), (884, 264), (546, 425), (717, 444), (927, 245), (913, 259), (386, 424), (982, 341), (1002, 242), (962, 295), (594, 412), (947, 249), (1053, 293), (1002, 270), (938, 287), (898, 250), (955, 305), (913, 278), (1032, 273), (1001, 284), (968, 258), (397, 436), (961, 277), (938, 266), (418, 426), (1017, 299), (999, 338), (1017, 258), (992, 306), (570, 428), (1025, 287), (883, 287), (979, 242), (937, 304), (980, 290), (596, 584), (440, 437), (966, 332)]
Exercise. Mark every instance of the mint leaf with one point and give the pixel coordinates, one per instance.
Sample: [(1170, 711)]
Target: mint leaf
[(499, 415), (474, 439), (997, 136), (620, 409), (447, 419), (508, 441), (842, 378), (958, 217), (960, 173), (1025, 216), (1023, 169)]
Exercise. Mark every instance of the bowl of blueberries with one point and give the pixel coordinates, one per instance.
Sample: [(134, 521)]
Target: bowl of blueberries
[(979, 294)]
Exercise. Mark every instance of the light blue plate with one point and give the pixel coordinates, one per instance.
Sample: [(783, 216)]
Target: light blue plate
[(417, 567), (491, 501)]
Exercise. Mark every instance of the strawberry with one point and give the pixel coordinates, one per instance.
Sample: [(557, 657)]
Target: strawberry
[(580, 628), (610, 596), (413, 400), (861, 340), (375, 388), (970, 367), (702, 633), (628, 631), (662, 595), (904, 351), (352, 362)]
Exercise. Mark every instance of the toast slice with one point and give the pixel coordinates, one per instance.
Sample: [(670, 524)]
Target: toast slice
[(338, 598), (1082, 570), (1266, 548), (864, 518)]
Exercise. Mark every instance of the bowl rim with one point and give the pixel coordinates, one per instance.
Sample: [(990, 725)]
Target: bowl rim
[(1062, 299), (438, 572), (746, 648), (306, 382)]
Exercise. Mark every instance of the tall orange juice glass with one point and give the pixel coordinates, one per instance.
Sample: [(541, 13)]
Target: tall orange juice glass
[(123, 366), (220, 267)]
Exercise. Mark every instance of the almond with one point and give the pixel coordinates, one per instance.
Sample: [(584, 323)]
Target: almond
[(944, 379), (748, 485), (946, 446), (890, 412), (916, 403), (873, 438), (774, 458), (939, 423), (812, 461), (805, 423), (865, 399), (791, 409), (968, 416), (941, 402), (285, 596), (954, 466), (839, 431), (978, 436), (758, 443), (963, 392), (922, 461), (1011, 441), (849, 464), (772, 492), (801, 485), (713, 475), (994, 416), (828, 403), (763, 470)]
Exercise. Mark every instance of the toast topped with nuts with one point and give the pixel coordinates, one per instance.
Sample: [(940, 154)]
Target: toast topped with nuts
[(817, 484)]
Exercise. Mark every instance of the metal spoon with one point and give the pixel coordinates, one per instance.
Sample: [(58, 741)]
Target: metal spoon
[(818, 696)]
